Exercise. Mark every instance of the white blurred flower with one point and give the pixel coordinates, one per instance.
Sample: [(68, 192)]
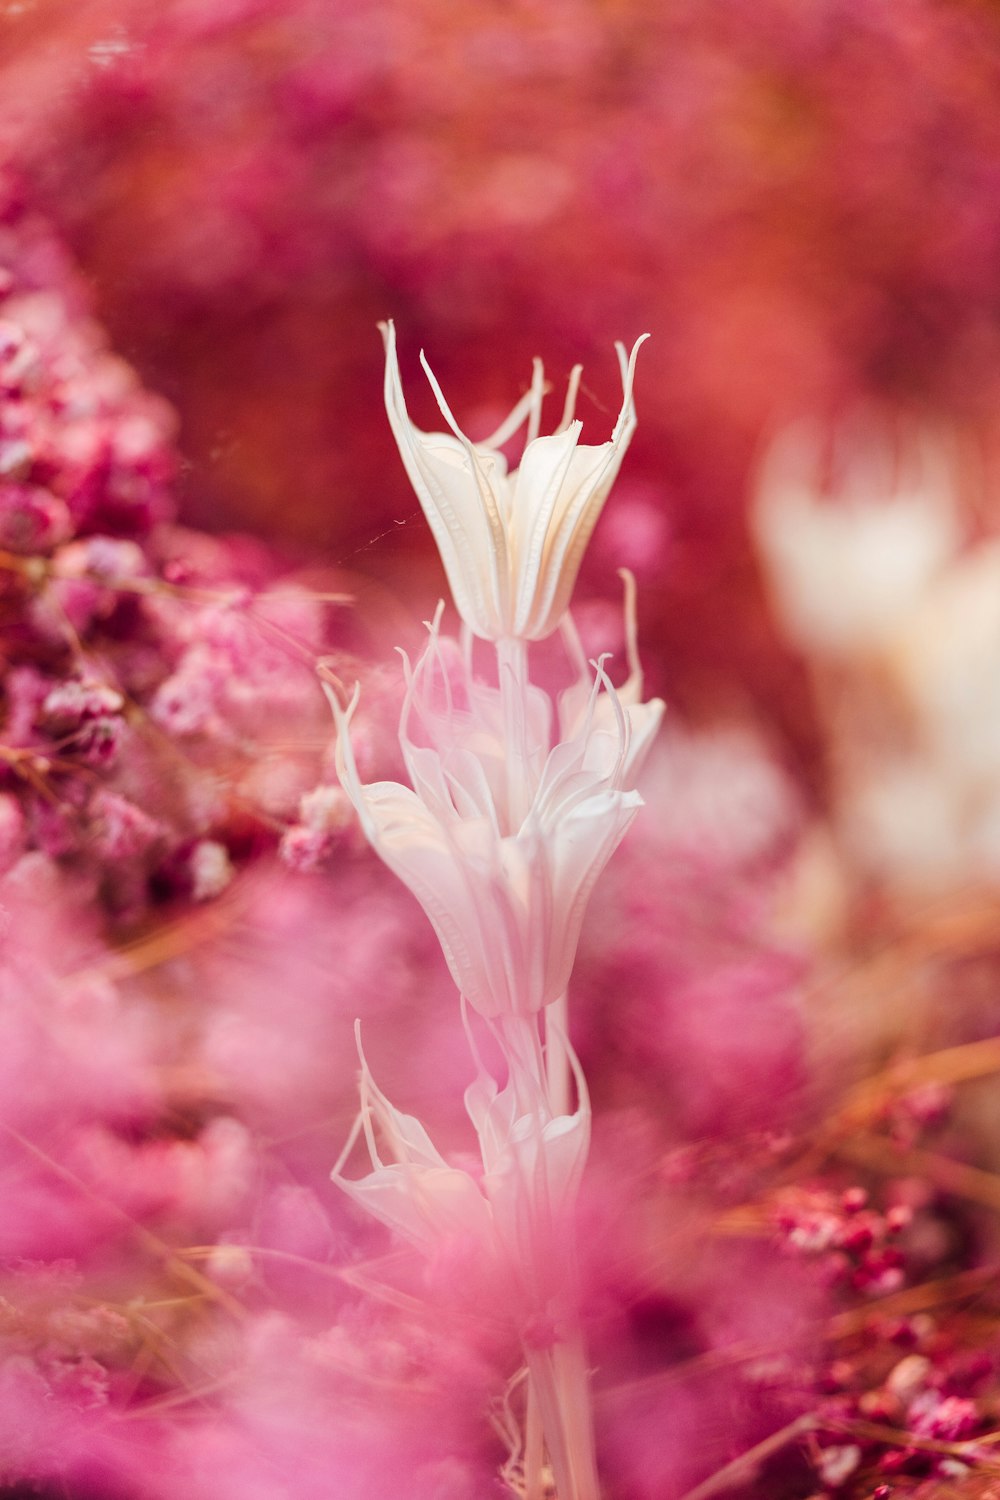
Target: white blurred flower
[(921, 800), (211, 869), (413, 1191), (519, 1212), (947, 662), (533, 1161), (511, 544), (846, 567), (505, 890)]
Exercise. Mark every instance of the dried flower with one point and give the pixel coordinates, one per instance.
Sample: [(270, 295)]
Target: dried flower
[(505, 892), (533, 1162), (517, 1214), (415, 1192), (576, 702), (511, 544)]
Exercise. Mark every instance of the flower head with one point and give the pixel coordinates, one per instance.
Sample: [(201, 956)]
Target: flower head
[(505, 891), (511, 544), (533, 1161), (414, 1192), (517, 1213), (848, 565)]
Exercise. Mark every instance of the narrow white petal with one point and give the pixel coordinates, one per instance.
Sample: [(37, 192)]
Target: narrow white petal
[(577, 850), (540, 486), (586, 486), (416, 1193), (489, 470), (584, 489), (455, 494), (644, 722), (426, 1205)]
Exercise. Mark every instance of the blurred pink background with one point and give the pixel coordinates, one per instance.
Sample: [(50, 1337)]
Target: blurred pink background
[(800, 202)]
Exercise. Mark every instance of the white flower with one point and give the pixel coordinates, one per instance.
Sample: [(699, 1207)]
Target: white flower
[(505, 891), (533, 1162), (644, 719), (845, 568), (520, 1211), (465, 725), (415, 1192), (511, 544)]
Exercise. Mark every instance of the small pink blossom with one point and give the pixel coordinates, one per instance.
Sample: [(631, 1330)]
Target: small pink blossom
[(211, 869), (84, 716), (32, 519), (121, 829)]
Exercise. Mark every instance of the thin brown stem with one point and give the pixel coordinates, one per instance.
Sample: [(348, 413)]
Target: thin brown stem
[(743, 1468)]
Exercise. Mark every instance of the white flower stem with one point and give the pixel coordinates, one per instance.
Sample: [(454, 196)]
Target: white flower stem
[(534, 1447), (559, 1381), (523, 1050), (512, 671), (557, 1070), (558, 1417)]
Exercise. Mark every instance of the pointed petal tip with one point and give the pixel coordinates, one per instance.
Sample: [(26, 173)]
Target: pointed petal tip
[(333, 687), (443, 406), (434, 625), (626, 355)]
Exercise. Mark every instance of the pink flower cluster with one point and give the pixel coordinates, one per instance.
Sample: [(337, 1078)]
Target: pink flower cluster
[(783, 1291), (861, 1241), (147, 667), (806, 191)]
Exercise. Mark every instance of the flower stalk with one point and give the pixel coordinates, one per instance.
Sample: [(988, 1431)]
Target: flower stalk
[(560, 1384), (514, 807)]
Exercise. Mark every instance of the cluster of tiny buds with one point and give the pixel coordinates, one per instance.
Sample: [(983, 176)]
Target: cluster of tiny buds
[(325, 816), (83, 716), (929, 1397), (855, 1240), (159, 711), (910, 1115), (907, 1400)]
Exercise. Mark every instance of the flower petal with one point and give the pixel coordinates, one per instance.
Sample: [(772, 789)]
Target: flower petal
[(458, 488)]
